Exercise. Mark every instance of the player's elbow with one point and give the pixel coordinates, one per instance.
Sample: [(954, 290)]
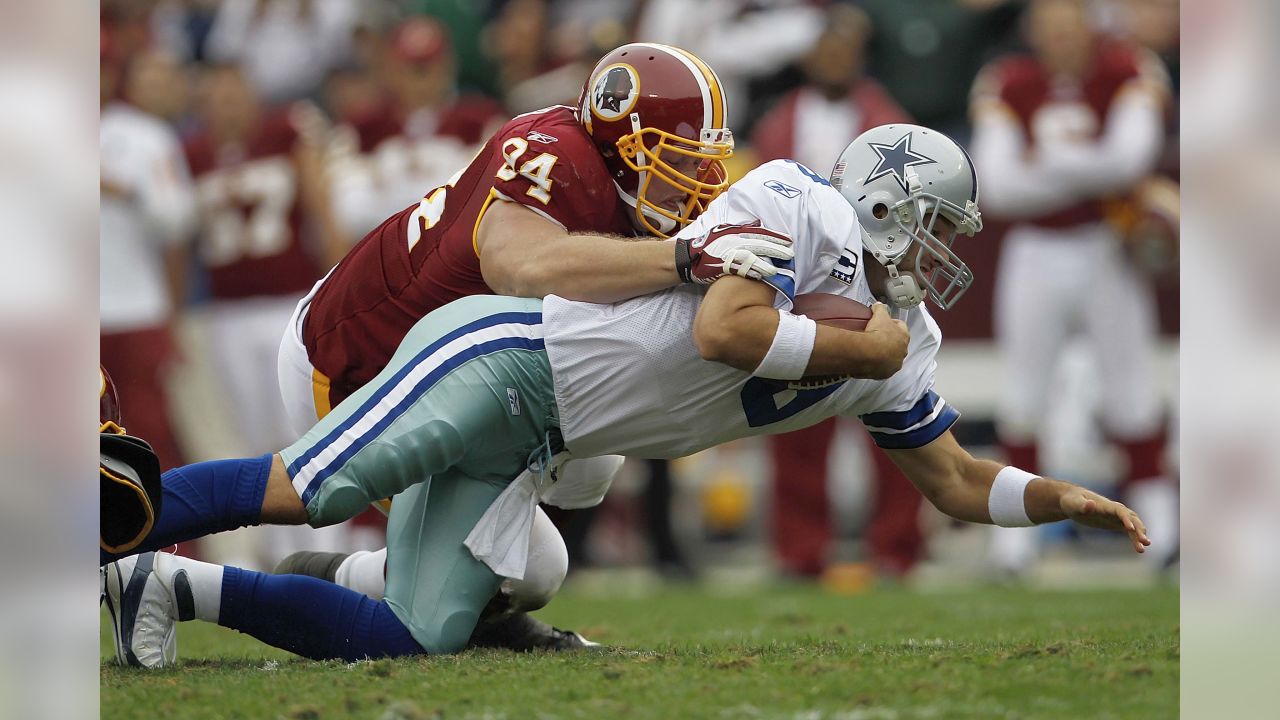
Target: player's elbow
[(712, 338), (516, 277), (718, 340)]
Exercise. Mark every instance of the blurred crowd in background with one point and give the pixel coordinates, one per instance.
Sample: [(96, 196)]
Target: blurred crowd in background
[(246, 145)]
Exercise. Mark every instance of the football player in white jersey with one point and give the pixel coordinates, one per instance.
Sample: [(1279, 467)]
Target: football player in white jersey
[(488, 386)]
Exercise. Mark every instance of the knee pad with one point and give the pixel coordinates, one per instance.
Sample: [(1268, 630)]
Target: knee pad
[(584, 482), (548, 564), (364, 572)]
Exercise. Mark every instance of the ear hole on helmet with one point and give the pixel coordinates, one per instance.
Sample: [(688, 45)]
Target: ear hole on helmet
[(880, 211)]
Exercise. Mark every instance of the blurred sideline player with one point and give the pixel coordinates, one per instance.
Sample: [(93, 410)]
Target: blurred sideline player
[(489, 385), (262, 242), (621, 163), (1056, 134), (147, 215), (810, 124)]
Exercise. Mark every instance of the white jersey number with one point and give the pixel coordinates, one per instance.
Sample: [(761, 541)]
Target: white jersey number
[(766, 402), (246, 211)]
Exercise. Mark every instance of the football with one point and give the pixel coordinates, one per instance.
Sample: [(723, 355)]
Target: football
[(835, 310)]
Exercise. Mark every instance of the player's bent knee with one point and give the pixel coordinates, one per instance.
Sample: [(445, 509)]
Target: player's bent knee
[(451, 635), (546, 568)]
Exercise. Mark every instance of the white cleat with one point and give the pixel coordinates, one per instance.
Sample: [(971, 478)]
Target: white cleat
[(144, 612)]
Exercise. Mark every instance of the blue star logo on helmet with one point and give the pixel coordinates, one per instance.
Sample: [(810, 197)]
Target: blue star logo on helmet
[(895, 159)]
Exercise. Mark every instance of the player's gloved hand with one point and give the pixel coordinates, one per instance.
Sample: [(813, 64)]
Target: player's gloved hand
[(1093, 510), (892, 339), (742, 250)]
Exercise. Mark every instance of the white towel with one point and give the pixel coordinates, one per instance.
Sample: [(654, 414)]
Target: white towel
[(500, 538)]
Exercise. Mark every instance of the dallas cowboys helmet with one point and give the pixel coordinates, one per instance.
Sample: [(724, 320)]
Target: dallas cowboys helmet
[(900, 178)]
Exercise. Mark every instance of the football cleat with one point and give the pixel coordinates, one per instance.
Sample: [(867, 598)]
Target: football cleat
[(145, 609), (524, 633)]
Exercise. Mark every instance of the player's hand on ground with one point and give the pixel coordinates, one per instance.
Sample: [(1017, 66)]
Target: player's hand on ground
[(1093, 510), (892, 338), (745, 250)]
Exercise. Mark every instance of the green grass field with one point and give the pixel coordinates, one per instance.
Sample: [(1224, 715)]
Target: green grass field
[(786, 652)]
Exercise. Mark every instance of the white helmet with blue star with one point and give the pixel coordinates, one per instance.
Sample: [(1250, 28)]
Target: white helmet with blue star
[(901, 179)]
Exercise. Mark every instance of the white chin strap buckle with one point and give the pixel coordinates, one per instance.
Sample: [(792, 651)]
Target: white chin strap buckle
[(902, 289)]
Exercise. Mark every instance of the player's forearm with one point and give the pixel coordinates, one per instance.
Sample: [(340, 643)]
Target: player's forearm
[(587, 268), (1126, 153), (970, 499), (864, 355), (742, 338), (1012, 187)]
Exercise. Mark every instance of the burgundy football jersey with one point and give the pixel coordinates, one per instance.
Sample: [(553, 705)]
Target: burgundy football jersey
[(1046, 106), (425, 256), (250, 213)]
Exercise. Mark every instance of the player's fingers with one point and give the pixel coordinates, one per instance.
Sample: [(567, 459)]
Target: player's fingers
[(761, 268)]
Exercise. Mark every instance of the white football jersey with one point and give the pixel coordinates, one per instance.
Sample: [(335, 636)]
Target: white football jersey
[(629, 379)]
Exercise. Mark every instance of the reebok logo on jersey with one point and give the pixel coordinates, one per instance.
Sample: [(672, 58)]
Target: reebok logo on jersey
[(543, 138), (782, 189), (513, 399)]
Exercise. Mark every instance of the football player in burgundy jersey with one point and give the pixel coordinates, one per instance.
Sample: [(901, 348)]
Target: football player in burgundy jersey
[(1058, 132), (548, 206)]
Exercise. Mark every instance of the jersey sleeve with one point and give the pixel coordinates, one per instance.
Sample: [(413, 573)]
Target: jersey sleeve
[(908, 412), (787, 197), (558, 175)]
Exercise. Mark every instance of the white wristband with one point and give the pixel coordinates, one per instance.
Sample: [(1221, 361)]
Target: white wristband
[(788, 356), (1006, 503)]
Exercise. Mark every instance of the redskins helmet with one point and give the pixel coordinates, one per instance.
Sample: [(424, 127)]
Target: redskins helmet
[(656, 114), (901, 179), (108, 404)]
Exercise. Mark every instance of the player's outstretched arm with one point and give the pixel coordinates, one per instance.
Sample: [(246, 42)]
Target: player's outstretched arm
[(983, 491), (737, 325), (525, 255)]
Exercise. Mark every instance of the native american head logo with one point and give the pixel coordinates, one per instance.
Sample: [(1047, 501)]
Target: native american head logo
[(615, 92)]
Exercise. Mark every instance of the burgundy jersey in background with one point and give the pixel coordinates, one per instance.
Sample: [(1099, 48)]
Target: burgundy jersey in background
[(251, 240)]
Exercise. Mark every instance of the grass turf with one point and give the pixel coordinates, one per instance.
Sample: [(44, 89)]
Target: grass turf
[(784, 652)]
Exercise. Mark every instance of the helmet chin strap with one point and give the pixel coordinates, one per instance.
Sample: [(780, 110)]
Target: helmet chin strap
[(664, 224), (902, 289)]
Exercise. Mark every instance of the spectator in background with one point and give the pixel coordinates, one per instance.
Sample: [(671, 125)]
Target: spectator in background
[(927, 52), (813, 124), (516, 40), (1057, 132), (579, 33), (424, 132), (741, 39), (285, 47), (147, 214)]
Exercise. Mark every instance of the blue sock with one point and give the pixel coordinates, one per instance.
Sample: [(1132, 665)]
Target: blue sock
[(205, 498), (311, 617)]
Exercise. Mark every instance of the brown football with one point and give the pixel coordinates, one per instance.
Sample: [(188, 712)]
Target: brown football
[(835, 310), (827, 309)]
